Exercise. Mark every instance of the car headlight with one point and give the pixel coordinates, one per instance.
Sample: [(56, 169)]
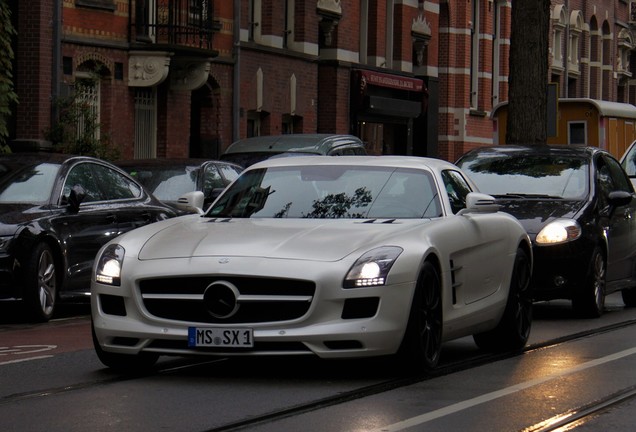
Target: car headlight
[(372, 268), (4, 243), (559, 231), (109, 263)]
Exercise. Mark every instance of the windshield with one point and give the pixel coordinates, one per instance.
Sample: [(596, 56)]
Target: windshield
[(330, 192), (538, 175), (27, 183), (166, 183)]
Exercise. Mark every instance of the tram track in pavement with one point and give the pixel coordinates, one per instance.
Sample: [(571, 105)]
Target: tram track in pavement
[(552, 424)]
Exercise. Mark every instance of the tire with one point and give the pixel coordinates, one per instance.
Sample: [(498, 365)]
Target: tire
[(41, 283), (513, 330), (629, 297), (125, 363), (421, 346), (589, 300)]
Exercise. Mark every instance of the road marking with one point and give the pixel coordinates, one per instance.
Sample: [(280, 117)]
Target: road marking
[(451, 409), (24, 359)]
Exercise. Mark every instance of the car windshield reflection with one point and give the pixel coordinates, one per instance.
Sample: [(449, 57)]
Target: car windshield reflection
[(28, 184), (329, 192), (530, 176)]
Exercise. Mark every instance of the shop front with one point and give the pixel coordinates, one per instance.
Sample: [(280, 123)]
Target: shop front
[(384, 108)]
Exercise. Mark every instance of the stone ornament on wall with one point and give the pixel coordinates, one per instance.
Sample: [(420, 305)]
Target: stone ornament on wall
[(189, 73), (147, 69)]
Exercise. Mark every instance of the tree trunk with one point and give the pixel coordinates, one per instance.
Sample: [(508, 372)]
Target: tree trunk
[(527, 105)]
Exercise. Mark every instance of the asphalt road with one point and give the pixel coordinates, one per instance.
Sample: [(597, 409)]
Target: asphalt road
[(50, 379)]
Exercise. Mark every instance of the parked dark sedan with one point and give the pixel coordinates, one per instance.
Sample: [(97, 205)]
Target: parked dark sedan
[(56, 211), (577, 204), (168, 179)]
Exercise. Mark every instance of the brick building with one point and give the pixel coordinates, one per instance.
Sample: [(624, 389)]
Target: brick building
[(169, 78)]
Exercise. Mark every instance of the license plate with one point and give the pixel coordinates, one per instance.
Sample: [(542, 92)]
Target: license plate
[(220, 337)]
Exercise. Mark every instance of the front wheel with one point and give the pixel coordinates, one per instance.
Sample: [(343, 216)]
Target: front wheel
[(589, 300), (513, 330), (40, 283), (422, 344)]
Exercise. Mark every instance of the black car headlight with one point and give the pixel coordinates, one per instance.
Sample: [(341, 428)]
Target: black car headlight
[(559, 231), (4, 243), (109, 263), (372, 268)]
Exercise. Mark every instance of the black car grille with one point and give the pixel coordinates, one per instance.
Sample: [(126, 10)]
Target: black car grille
[(231, 300)]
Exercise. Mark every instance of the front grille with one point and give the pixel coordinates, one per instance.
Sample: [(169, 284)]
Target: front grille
[(258, 299), (280, 347)]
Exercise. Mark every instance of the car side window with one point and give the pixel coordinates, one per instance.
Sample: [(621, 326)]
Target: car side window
[(619, 179), (82, 174), (114, 185), (456, 188)]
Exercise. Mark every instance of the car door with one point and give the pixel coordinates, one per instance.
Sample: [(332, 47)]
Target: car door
[(619, 221), (126, 200), (84, 230), (480, 242)]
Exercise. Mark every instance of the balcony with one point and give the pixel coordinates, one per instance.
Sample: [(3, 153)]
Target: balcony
[(173, 25), (171, 39)]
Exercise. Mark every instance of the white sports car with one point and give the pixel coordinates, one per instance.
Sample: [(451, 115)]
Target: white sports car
[(336, 257)]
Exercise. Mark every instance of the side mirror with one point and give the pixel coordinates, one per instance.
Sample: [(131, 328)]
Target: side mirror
[(75, 198), (619, 198), (479, 203), (191, 202)]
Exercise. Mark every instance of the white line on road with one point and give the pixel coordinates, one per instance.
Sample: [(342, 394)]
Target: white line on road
[(451, 409)]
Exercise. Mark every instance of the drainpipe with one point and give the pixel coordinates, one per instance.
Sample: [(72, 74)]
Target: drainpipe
[(236, 86), (57, 50), (567, 49)]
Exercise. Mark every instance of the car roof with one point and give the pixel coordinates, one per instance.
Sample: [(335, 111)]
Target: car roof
[(508, 149), (32, 157), (167, 162), (302, 143), (370, 161)]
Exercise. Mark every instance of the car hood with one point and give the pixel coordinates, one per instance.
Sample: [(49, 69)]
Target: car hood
[(14, 215), (309, 239), (534, 214)]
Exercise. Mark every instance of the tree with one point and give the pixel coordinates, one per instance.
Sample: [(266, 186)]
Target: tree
[(8, 97), (527, 105)]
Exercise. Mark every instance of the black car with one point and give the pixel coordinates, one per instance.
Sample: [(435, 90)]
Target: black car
[(578, 207), (170, 178), (56, 211)]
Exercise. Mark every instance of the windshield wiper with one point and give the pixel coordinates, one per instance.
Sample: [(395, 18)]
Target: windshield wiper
[(526, 195)]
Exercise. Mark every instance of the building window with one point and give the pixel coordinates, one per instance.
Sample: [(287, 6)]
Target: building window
[(253, 124), (474, 55), (388, 59), (558, 29), (254, 18), (577, 133), (87, 104), (145, 123), (364, 31), (96, 4), (288, 38), (292, 124)]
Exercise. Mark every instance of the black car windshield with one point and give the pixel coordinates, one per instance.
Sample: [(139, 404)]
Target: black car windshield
[(330, 192), (529, 175), (27, 183)]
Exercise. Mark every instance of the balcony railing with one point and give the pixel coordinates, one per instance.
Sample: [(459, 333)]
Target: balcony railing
[(174, 22)]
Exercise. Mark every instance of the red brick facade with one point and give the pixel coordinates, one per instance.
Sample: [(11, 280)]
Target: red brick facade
[(297, 69)]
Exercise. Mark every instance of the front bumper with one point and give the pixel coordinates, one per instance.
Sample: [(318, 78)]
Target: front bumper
[(560, 270), (337, 322)]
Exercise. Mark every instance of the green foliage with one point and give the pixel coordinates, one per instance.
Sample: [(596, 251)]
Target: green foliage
[(8, 97), (77, 129)]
